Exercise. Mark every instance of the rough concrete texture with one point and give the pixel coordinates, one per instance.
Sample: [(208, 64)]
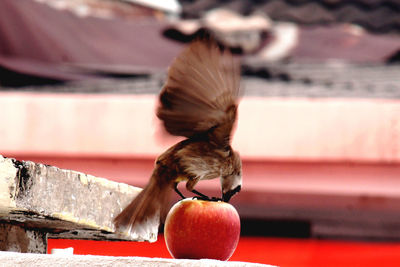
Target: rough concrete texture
[(18, 239), (17, 259), (65, 203)]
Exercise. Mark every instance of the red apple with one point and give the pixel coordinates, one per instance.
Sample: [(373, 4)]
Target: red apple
[(199, 229)]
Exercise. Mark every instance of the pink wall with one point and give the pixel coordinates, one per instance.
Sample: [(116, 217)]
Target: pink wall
[(268, 128)]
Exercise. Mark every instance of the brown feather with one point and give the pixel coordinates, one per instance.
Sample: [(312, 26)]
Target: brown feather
[(151, 200), (201, 93)]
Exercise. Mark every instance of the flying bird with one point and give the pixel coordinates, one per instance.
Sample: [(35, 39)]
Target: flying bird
[(199, 101)]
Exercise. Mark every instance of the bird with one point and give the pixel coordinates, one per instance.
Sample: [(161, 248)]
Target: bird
[(199, 101)]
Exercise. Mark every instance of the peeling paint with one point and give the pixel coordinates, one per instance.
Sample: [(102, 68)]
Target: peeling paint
[(7, 185), (23, 178)]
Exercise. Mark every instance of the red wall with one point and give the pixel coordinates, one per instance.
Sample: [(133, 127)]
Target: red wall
[(281, 252)]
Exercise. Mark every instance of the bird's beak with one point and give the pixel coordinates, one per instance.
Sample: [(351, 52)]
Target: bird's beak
[(228, 195)]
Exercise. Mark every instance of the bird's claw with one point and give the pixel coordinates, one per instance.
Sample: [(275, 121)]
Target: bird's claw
[(201, 198), (216, 199), (206, 198)]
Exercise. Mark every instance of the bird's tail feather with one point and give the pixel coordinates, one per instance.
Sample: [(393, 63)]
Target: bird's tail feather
[(146, 208)]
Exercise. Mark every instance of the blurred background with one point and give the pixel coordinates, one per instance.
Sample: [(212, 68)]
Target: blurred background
[(318, 128)]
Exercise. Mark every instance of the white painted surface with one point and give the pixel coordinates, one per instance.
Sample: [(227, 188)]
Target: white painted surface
[(40, 260), (62, 251)]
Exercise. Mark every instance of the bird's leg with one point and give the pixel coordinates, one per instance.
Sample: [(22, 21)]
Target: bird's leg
[(200, 195), (179, 192), (189, 186)]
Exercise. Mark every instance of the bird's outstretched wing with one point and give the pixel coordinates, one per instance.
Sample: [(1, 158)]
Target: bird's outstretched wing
[(201, 93)]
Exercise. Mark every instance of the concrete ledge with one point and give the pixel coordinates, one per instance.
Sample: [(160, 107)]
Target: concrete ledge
[(63, 203), (17, 259)]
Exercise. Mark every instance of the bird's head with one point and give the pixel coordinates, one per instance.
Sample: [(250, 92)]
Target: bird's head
[(232, 182)]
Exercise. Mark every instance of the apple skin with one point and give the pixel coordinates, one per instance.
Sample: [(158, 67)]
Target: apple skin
[(199, 229)]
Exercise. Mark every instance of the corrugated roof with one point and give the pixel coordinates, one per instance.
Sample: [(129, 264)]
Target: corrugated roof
[(275, 80), (320, 81)]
